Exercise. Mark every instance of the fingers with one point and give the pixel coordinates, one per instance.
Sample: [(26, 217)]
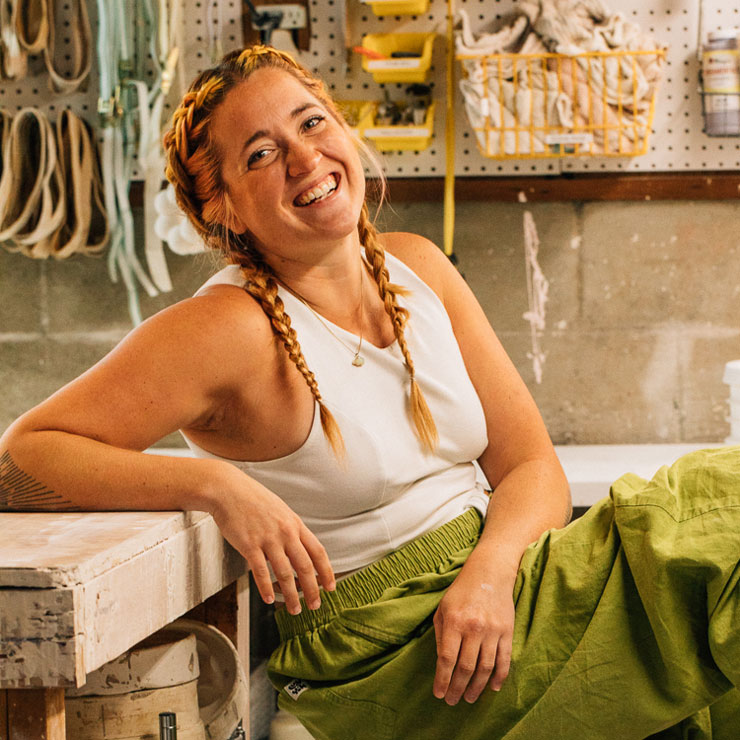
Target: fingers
[(465, 662), (261, 575), (503, 661), (320, 559), (283, 570), (295, 567), (448, 649), (466, 676), (305, 575), (487, 658)]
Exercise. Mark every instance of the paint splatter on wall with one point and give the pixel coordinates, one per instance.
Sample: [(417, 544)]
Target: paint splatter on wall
[(537, 288)]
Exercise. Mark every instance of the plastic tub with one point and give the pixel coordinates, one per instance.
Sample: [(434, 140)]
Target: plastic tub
[(358, 113), (404, 69), (402, 138), (398, 7)]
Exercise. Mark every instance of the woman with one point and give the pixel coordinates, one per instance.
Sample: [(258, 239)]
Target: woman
[(339, 455)]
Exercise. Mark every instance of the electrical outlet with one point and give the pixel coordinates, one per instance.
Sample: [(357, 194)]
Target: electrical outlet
[(294, 16)]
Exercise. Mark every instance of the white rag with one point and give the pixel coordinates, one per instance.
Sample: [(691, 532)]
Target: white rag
[(514, 102)]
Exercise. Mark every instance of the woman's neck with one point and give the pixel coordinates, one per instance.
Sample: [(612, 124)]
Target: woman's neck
[(330, 285)]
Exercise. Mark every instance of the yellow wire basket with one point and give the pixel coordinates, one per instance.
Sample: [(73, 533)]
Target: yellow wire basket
[(597, 104)]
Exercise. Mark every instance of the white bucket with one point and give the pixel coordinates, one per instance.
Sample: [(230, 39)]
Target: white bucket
[(732, 378), (732, 373), (285, 726)]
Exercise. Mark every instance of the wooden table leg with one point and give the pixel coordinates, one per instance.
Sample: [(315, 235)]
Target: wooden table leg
[(3, 714), (35, 714), (242, 633)]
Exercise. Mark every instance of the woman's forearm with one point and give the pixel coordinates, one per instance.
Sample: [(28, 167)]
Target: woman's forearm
[(58, 471), (531, 499)]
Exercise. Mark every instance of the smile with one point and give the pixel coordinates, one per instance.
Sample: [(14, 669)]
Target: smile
[(319, 192)]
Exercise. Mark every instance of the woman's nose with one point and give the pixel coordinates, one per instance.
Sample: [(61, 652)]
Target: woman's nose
[(302, 157)]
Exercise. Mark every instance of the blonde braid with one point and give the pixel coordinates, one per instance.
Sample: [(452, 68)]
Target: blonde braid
[(426, 429), (193, 168)]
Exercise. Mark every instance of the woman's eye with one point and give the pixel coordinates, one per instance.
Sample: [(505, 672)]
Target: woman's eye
[(314, 121), (258, 156)]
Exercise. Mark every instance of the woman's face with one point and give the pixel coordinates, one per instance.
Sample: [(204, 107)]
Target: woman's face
[(292, 171)]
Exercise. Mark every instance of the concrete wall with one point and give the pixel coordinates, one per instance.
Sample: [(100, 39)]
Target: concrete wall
[(643, 312)]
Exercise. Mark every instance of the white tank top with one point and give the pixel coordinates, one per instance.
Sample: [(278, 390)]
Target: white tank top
[(387, 490)]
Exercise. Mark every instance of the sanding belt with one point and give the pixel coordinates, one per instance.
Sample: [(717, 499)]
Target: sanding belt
[(50, 186), (30, 27)]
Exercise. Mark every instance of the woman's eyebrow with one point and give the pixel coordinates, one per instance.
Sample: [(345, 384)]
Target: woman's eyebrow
[(262, 132)]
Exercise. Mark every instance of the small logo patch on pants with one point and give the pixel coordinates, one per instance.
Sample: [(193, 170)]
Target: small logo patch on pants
[(295, 688)]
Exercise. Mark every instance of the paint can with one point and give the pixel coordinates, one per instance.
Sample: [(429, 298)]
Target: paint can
[(721, 83)]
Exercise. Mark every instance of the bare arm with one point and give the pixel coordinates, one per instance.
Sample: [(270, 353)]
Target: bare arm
[(81, 448), (475, 619), (531, 493)]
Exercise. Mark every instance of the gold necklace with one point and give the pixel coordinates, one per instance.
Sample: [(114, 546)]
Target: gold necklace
[(357, 360)]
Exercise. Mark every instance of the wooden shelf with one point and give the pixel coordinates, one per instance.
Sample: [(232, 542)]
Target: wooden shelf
[(558, 188), (575, 187)]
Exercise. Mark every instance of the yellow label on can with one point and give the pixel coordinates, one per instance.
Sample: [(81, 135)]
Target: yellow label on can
[(721, 71)]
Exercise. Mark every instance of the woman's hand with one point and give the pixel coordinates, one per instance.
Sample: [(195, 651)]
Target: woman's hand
[(263, 528), (474, 627)]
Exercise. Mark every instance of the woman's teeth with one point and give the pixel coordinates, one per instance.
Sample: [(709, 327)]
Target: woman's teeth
[(329, 185)]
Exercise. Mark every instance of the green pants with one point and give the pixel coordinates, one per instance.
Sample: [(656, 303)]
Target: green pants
[(627, 626)]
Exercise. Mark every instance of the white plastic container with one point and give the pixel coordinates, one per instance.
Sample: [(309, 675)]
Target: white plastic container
[(285, 726), (732, 378)]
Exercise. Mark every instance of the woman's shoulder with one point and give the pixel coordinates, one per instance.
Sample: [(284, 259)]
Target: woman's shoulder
[(420, 255), (222, 324)]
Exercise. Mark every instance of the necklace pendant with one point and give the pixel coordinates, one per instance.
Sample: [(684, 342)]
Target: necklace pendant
[(358, 360)]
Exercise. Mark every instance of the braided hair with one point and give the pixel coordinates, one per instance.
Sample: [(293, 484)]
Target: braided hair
[(194, 169)]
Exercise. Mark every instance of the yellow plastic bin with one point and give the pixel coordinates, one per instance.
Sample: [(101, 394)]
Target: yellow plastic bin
[(358, 113), (404, 69), (398, 7), (402, 138)]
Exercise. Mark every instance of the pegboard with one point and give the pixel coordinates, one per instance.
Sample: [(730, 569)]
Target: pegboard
[(203, 20), (677, 142)]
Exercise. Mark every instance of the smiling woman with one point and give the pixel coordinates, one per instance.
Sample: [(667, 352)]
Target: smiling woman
[(342, 466), (278, 186)]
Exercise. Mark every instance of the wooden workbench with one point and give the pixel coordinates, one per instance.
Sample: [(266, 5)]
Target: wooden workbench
[(79, 589)]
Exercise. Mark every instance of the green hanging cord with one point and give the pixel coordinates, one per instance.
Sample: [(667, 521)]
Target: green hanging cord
[(119, 107)]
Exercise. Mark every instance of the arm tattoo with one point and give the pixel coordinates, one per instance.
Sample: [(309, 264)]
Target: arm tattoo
[(20, 492)]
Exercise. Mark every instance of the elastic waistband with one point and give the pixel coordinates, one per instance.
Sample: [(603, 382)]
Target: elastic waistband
[(422, 555)]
